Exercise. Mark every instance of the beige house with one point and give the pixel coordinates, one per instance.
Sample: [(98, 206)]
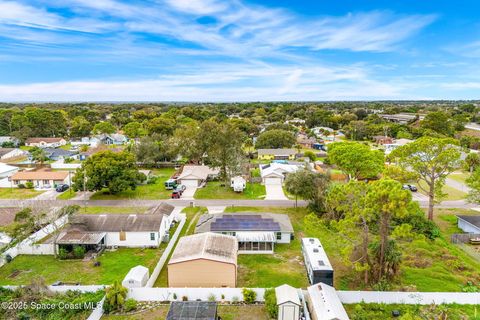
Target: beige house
[(206, 260), (45, 142), (195, 176), (41, 179)]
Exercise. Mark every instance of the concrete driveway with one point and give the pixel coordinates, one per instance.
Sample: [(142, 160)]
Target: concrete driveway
[(188, 193), (275, 192), (47, 195)]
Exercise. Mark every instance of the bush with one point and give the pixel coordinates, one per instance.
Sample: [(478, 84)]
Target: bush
[(62, 254), (184, 298), (20, 186), (152, 180), (79, 252), (310, 155), (249, 296), (29, 185), (130, 305), (175, 296), (271, 303), (212, 298)]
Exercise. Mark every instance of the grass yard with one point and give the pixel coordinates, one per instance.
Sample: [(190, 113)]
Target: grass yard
[(451, 193), (145, 191), (375, 311), (112, 209), (459, 176), (214, 190), (67, 195), (226, 312), (15, 193), (427, 265), (114, 266)]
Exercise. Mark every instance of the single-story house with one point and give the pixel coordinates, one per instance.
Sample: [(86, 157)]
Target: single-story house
[(45, 142), (112, 139), (137, 277), (11, 153), (238, 183), (382, 140), (191, 310), (84, 155), (295, 121), (469, 224), (168, 212), (305, 141), (206, 260), (9, 140), (114, 230), (275, 173), (324, 304), (255, 232), (276, 154), (41, 178), (57, 154), (7, 170), (195, 176), (389, 147), (86, 141), (288, 302)]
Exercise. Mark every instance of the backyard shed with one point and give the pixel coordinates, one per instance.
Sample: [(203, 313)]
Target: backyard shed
[(238, 183), (192, 310), (288, 303), (137, 277), (207, 260)]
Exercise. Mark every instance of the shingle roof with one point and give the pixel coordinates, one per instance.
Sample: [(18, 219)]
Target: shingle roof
[(4, 151), (40, 175), (7, 215), (277, 152), (118, 222), (163, 208), (48, 140), (210, 246), (198, 172), (475, 220)]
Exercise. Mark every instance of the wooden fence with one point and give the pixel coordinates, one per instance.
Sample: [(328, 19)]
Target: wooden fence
[(463, 237)]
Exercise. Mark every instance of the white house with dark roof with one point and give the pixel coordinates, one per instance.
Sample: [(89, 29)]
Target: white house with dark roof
[(469, 224)]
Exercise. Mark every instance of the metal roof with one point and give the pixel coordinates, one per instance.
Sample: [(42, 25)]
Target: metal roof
[(286, 293), (72, 236), (325, 303), (277, 152), (255, 236), (192, 310), (315, 254)]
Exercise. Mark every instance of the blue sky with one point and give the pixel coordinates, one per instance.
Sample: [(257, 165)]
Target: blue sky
[(209, 50)]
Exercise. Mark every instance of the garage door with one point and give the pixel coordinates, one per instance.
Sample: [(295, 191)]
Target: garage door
[(273, 181), (189, 183)]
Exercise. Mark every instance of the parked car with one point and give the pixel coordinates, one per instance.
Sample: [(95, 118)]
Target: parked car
[(410, 187), (170, 184), (62, 187), (180, 188), (176, 194)]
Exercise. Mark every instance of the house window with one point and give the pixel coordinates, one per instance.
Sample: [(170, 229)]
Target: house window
[(16, 182), (123, 236), (279, 236), (152, 236), (45, 181)]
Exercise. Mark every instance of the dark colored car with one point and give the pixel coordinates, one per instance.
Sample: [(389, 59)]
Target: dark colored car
[(62, 187), (176, 194), (410, 187)]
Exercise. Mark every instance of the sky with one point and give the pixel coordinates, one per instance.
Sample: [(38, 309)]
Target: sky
[(235, 50)]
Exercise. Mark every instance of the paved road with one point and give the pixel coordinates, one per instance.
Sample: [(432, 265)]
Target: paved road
[(457, 185)]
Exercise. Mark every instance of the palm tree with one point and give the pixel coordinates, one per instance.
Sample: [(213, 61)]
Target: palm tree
[(115, 296)]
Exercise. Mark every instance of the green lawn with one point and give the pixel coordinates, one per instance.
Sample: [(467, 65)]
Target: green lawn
[(67, 195), (125, 210), (15, 193), (451, 193), (459, 176), (114, 266), (375, 311), (145, 191), (213, 190), (427, 265)]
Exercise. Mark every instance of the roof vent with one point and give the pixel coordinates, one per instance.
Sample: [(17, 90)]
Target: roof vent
[(315, 250), (321, 263)]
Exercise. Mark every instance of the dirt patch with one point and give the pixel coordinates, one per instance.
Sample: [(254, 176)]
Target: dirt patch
[(14, 274)]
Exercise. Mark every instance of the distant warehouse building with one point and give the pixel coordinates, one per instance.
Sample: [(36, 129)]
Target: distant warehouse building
[(319, 268), (207, 260)]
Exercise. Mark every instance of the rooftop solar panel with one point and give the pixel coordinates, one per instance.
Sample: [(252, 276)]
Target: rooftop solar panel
[(244, 223)]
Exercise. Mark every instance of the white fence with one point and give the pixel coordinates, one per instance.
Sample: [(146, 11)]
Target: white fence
[(29, 246), (423, 298), (167, 294), (62, 289), (166, 253)]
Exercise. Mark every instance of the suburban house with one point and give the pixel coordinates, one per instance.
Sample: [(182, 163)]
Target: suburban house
[(114, 230), (469, 224), (382, 140), (324, 304), (295, 122), (45, 142), (167, 211), (137, 277), (276, 154), (288, 302), (402, 118), (112, 139), (207, 260), (84, 155), (58, 154), (305, 141), (41, 178), (195, 176), (11, 153), (86, 141), (7, 170), (238, 183), (190, 310), (275, 173), (389, 147), (255, 232)]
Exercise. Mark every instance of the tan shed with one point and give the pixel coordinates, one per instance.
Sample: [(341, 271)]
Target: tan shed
[(207, 260)]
